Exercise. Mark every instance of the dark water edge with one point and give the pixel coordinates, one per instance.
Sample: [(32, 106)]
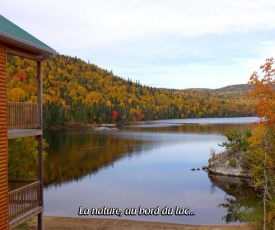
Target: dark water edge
[(146, 165)]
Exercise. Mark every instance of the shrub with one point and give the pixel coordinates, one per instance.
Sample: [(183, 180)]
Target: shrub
[(237, 141), (232, 162)]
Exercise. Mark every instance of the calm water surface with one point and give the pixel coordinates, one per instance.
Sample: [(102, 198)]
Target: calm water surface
[(146, 165)]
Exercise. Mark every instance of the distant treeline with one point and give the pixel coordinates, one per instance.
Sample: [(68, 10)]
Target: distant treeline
[(76, 93)]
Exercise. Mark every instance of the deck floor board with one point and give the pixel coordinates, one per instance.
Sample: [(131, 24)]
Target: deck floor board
[(17, 133)]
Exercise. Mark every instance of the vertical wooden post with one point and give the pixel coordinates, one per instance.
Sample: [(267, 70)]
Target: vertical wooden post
[(40, 141), (40, 91), (4, 198)]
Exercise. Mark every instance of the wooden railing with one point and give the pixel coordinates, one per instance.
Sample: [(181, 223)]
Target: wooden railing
[(23, 115), (24, 195)]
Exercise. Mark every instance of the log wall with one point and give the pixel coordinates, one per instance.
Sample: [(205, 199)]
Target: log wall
[(4, 219)]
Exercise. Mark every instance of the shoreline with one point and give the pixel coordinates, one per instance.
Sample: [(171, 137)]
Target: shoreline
[(70, 223)]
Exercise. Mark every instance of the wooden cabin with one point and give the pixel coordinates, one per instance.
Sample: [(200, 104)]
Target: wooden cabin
[(20, 199)]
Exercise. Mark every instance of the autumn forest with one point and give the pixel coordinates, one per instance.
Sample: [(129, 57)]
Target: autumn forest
[(77, 93)]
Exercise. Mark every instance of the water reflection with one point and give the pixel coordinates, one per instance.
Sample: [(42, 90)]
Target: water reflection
[(74, 154), (241, 202), (191, 128), (200, 125)]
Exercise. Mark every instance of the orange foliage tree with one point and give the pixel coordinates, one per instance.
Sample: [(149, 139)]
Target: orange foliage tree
[(262, 150), (264, 93)]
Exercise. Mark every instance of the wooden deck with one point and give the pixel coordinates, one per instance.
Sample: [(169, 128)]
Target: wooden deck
[(23, 115), (24, 200), (17, 133), (23, 120)]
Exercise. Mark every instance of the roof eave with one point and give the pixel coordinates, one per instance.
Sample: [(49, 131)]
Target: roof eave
[(26, 45)]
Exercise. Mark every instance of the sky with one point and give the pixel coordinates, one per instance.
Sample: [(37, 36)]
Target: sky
[(160, 43)]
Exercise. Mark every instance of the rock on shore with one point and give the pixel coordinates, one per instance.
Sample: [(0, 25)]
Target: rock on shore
[(229, 163)]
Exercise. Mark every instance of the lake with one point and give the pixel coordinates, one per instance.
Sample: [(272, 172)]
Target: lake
[(142, 171)]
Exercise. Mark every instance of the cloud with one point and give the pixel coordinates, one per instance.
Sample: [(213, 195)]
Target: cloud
[(176, 43), (109, 20)]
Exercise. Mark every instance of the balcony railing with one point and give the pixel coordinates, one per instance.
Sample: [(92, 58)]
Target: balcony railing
[(24, 195), (23, 115)]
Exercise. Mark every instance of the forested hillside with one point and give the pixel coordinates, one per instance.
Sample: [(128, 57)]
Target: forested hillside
[(76, 92)]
